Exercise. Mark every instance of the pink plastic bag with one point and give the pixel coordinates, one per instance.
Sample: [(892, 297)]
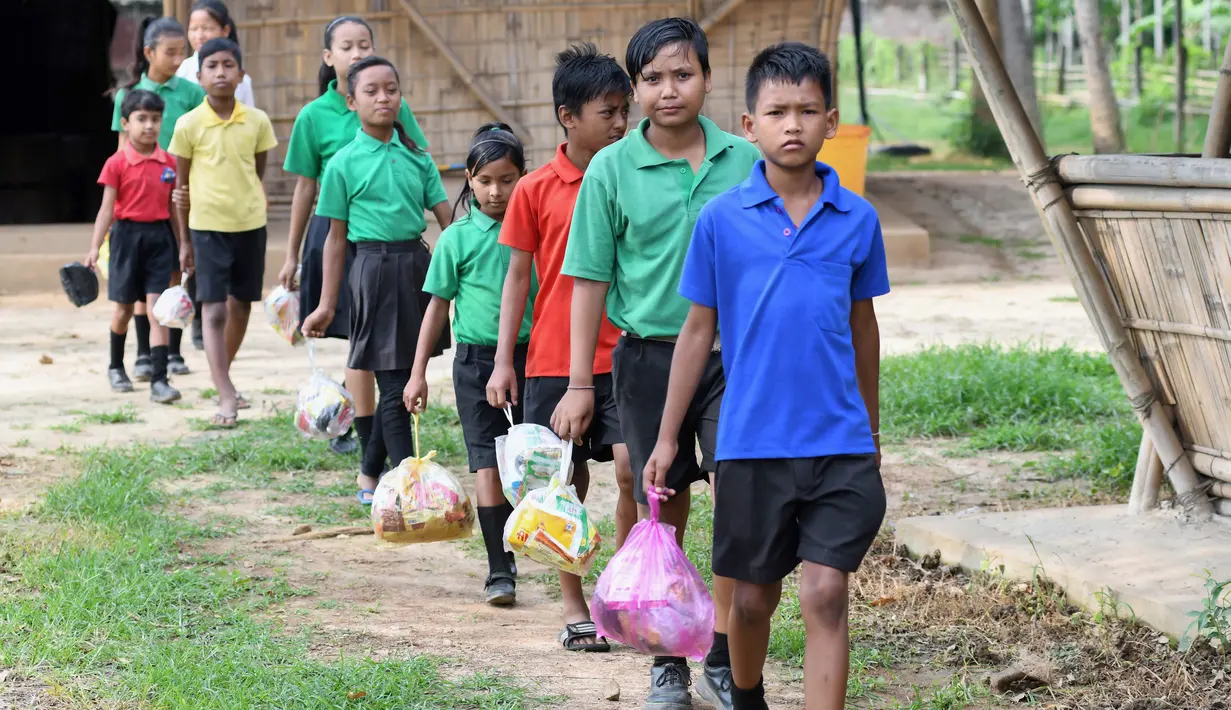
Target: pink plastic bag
[(651, 598)]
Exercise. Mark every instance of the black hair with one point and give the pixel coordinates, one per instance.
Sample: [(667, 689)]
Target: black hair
[(788, 62), (375, 61), (141, 100), (328, 73), (583, 75), (656, 35), (216, 45), (152, 30), (221, 15), (493, 141)]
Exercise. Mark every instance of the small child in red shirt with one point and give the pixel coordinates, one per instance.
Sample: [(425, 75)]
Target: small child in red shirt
[(137, 183)]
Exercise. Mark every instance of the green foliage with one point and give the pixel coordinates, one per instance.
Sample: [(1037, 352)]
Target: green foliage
[(1212, 621)]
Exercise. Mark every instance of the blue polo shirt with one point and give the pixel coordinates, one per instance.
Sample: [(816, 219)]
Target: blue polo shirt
[(783, 296)]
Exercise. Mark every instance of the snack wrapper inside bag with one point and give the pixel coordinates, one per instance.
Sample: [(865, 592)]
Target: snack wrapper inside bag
[(325, 409), (420, 501), (528, 457), (551, 526), (104, 257), (174, 309), (651, 598), (282, 312)]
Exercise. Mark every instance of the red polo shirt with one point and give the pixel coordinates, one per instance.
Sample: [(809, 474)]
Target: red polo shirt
[(537, 220), (143, 183)]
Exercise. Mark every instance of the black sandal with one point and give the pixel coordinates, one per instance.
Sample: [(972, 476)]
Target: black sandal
[(573, 633)]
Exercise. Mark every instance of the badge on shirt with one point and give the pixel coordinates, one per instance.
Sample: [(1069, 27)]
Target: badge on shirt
[(168, 175)]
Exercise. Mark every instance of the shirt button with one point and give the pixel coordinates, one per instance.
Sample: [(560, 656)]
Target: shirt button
[(683, 170), (786, 232)]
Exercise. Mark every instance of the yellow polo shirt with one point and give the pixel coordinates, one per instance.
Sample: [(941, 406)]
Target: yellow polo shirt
[(226, 192)]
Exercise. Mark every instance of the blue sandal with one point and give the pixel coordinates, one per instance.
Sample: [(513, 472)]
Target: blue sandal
[(362, 500)]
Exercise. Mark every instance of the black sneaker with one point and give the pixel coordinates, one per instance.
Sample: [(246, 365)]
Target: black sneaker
[(143, 369), (198, 339), (176, 365), (344, 445), (501, 589), (669, 688), (714, 687), (163, 393), (119, 380)]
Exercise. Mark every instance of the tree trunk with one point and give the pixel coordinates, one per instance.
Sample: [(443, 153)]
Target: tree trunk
[(1158, 30), (1104, 112), (1181, 61), (1017, 48), (984, 132)]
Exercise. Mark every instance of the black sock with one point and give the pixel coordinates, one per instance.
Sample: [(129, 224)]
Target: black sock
[(143, 335), (752, 699), (719, 655), (158, 359), (665, 660), (117, 349), (491, 522), (174, 336)]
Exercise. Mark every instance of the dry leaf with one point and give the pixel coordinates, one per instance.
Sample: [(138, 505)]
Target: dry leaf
[(44, 359), (302, 529), (882, 601), (356, 694), (612, 691)]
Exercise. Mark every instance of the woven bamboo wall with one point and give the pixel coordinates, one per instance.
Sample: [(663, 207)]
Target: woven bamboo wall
[(510, 50)]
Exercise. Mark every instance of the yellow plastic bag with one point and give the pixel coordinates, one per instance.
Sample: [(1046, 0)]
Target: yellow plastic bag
[(551, 526), (420, 501), (104, 256)]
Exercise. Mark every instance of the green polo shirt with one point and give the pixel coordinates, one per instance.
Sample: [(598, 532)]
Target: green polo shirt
[(468, 267), (634, 218), (380, 190), (180, 96), (325, 125)]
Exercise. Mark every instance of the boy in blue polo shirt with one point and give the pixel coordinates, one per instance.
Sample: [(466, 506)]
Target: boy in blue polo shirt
[(786, 265)]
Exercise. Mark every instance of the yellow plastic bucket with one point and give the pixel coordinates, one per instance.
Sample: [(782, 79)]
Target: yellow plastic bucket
[(847, 153)]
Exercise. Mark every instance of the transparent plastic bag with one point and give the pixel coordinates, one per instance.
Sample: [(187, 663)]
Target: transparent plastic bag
[(528, 457), (325, 410), (420, 501), (174, 308), (551, 526), (651, 598), (282, 312)]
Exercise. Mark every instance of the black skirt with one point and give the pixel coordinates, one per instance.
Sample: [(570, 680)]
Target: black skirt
[(312, 274), (385, 313)]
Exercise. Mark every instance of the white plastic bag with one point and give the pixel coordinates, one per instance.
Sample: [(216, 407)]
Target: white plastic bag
[(551, 526), (282, 312), (528, 457), (325, 410), (174, 308)]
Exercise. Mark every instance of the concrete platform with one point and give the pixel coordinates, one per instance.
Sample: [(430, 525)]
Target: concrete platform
[(907, 245), (1155, 564)]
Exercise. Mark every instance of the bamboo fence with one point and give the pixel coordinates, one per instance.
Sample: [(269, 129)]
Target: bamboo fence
[(1146, 241)]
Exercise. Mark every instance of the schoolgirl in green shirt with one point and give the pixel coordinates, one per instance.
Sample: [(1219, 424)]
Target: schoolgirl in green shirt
[(375, 191), (161, 48), (468, 268), (322, 128)]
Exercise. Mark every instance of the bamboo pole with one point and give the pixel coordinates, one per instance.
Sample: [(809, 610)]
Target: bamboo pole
[(1155, 199), (1150, 170), (427, 30), (1181, 75), (1222, 506), (1067, 238), (720, 13), (1220, 489), (1200, 331), (1212, 466), (1218, 135), (1141, 478)]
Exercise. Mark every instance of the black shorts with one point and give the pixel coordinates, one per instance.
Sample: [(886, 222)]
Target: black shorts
[(143, 257), (481, 422), (541, 395), (771, 513), (229, 264), (642, 369)]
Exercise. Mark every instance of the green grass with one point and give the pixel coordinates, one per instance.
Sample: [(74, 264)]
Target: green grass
[(982, 240), (111, 603), (208, 393), (22, 443), (124, 415), (1017, 399), (1064, 299), (957, 694), (334, 512), (73, 427)]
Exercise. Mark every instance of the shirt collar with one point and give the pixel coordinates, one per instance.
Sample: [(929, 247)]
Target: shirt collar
[(645, 155), (756, 189), (238, 114), (371, 145), (150, 85), (336, 101), (564, 167), (480, 220), (134, 158)]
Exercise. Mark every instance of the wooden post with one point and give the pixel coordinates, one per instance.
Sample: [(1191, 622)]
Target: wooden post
[(1181, 67), (709, 22), (1057, 215), (168, 8), (433, 37), (924, 49), (899, 65), (955, 66), (1064, 69), (1139, 44), (1218, 135), (1207, 27), (1141, 477), (1158, 30)]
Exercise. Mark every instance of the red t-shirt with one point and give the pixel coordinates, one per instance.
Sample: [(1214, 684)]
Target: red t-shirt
[(143, 183), (537, 220)]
